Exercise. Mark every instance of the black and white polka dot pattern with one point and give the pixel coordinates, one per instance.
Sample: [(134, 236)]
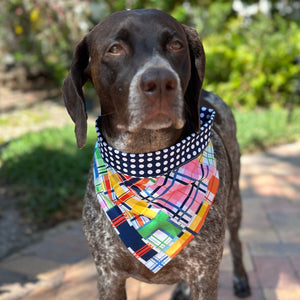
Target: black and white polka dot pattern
[(161, 162)]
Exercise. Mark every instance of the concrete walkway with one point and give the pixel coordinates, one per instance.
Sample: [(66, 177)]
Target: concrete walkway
[(59, 267)]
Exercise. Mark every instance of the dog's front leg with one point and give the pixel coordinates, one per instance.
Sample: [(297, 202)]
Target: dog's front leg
[(111, 286), (111, 279), (104, 247), (201, 287), (205, 286)]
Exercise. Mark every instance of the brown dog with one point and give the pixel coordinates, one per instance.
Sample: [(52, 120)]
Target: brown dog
[(148, 71)]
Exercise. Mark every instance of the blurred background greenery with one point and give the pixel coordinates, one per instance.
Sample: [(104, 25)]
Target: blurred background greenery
[(251, 46), (253, 63)]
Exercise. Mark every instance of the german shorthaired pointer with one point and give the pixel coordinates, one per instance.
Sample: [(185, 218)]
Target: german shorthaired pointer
[(148, 70)]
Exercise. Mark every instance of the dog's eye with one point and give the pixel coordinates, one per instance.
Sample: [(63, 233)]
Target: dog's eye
[(116, 49), (176, 45)]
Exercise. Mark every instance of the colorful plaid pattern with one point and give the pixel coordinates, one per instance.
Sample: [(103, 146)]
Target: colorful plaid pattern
[(157, 217)]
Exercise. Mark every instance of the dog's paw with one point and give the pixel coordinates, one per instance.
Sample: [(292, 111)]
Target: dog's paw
[(241, 287), (181, 292)]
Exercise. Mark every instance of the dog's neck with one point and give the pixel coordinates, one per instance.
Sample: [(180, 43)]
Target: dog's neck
[(146, 153), (144, 140)]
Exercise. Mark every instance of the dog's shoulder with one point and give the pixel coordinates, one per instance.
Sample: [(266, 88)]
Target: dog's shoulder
[(224, 130), (224, 119)]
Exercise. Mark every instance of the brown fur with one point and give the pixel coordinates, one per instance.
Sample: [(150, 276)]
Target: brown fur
[(126, 126)]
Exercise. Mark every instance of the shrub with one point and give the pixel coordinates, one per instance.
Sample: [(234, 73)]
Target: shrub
[(253, 64), (41, 34), (249, 61)]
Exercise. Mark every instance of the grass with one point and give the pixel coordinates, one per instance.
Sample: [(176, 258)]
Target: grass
[(261, 129), (49, 173)]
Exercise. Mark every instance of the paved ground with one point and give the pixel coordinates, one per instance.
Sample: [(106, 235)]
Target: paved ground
[(59, 266)]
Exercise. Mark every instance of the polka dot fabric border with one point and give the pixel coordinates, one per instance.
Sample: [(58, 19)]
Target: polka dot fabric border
[(161, 162)]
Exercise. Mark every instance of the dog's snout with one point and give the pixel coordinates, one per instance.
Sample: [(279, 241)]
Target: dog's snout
[(159, 84)]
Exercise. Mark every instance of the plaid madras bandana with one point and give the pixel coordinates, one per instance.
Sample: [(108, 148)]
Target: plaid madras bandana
[(158, 201)]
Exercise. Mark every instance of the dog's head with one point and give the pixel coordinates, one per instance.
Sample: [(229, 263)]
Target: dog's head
[(147, 70)]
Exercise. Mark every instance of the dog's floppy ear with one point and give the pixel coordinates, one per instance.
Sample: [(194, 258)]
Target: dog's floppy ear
[(72, 91), (192, 94)]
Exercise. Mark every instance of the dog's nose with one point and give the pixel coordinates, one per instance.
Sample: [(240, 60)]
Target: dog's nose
[(159, 84)]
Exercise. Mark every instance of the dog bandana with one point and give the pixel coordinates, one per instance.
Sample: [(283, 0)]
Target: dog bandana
[(158, 201)]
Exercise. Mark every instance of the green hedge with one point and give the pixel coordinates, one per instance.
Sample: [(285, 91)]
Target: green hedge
[(253, 64), (41, 35), (249, 61)]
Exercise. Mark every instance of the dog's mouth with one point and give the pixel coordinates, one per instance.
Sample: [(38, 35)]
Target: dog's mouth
[(157, 120)]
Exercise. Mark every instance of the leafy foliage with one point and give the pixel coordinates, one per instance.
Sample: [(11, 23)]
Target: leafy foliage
[(249, 60), (41, 34), (253, 65)]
